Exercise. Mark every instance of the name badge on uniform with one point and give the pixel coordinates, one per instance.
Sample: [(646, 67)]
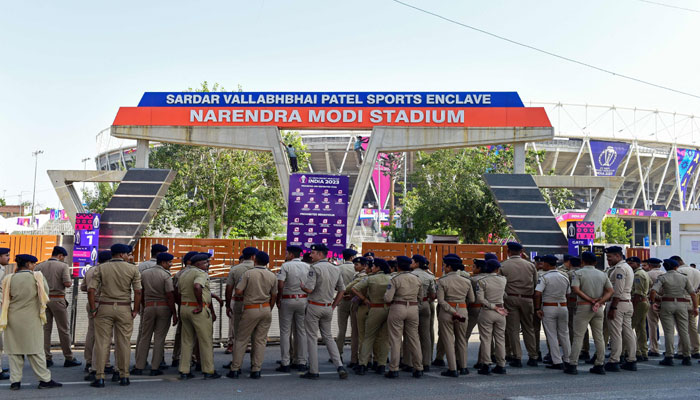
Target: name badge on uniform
[(311, 273), (388, 286), (619, 276)]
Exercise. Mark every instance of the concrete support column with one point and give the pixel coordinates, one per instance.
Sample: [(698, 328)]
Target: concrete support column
[(519, 158), (142, 151)]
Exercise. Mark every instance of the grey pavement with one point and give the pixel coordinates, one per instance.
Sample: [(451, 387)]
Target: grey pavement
[(651, 381)]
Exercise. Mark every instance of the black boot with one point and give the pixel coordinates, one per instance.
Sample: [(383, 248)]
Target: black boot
[(450, 373), (632, 365), (124, 382), (380, 370), (597, 369), (255, 375), (18, 385), (612, 367), (464, 371), (98, 383), (438, 362), (361, 370), (571, 370), (555, 366), (516, 363), (392, 374), (417, 374), (532, 362), (484, 370), (686, 361), (234, 374), (499, 370), (667, 361), (50, 384)]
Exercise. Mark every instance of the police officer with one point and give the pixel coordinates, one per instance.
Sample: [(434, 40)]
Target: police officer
[(25, 292), (347, 272), (654, 273), (155, 250), (258, 286), (236, 312), (551, 308), (572, 264), (197, 315), (419, 267), (371, 292), (675, 291), (694, 279), (186, 264), (291, 303), (159, 303), (357, 320), (404, 293), (490, 291), (102, 257), (322, 281), (640, 302), (114, 279), (57, 274), (454, 292), (593, 289), (619, 312), (522, 279), (536, 320), (474, 309), (4, 261)]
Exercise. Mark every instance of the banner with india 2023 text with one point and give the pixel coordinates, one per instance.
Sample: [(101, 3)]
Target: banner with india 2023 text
[(607, 156)]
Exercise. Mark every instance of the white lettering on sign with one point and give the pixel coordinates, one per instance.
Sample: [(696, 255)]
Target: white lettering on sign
[(451, 98), (192, 99)]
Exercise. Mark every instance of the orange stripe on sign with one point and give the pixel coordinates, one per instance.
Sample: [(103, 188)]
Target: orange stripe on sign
[(334, 118)]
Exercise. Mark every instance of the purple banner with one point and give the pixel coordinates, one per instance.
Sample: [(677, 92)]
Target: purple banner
[(86, 241), (607, 156), (318, 211), (687, 163)]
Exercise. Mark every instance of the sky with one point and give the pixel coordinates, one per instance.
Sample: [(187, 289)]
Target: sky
[(68, 66)]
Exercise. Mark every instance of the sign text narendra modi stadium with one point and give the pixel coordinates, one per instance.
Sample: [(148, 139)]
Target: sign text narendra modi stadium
[(336, 110)]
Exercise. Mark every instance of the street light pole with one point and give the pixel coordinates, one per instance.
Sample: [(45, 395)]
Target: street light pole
[(35, 154)]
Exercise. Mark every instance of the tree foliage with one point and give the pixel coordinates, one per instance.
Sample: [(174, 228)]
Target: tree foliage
[(450, 195), (615, 231), (96, 200)]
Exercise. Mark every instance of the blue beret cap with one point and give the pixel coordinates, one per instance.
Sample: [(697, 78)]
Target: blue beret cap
[(567, 257), (490, 256), (479, 263), (4, 250), (575, 261), (249, 252), (537, 258), (360, 260), (319, 247), (26, 258), (368, 254), (159, 248), (670, 263), (420, 259), (514, 246), (634, 259), (262, 258), (104, 256), (120, 248), (614, 249), (200, 257), (188, 256), (550, 259), (588, 257), (381, 263), (491, 265), (60, 250), (654, 261), (294, 249), (452, 259), (164, 257), (403, 260), (349, 253)]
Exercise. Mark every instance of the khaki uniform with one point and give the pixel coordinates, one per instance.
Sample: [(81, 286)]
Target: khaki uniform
[(640, 302), (347, 272), (23, 335), (2, 275), (357, 318), (237, 308), (521, 276), (555, 287), (694, 279), (178, 331), (536, 322), (474, 309), (90, 335), (196, 326), (653, 315), (571, 300), (292, 309), (114, 280), (258, 285), (621, 333), (490, 289), (56, 273), (323, 279), (376, 335), (454, 292), (429, 289), (593, 283), (674, 289), (142, 267), (156, 317), (404, 293)]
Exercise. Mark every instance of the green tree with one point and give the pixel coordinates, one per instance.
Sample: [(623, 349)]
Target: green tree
[(2, 202), (303, 156), (97, 199), (615, 231)]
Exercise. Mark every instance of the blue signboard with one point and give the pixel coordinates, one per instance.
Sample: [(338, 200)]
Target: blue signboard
[(86, 241), (331, 99)]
